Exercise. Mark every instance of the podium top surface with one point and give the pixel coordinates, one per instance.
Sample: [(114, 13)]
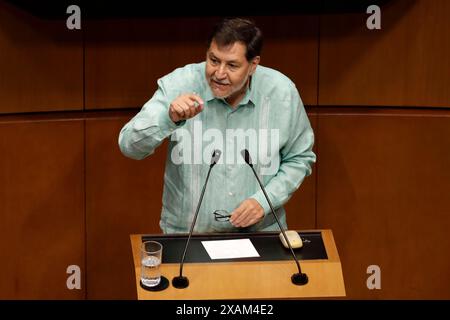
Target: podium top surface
[(267, 244)]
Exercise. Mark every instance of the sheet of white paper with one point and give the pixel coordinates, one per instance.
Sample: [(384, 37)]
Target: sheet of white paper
[(230, 249)]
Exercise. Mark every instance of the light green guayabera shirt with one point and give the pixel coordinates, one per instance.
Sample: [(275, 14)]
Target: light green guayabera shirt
[(270, 122)]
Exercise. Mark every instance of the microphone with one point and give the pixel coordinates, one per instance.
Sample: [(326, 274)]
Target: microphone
[(181, 282), (299, 278)]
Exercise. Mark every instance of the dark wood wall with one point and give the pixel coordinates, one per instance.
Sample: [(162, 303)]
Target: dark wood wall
[(378, 102)]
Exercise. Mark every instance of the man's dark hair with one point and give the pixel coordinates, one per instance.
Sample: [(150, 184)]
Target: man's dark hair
[(232, 30)]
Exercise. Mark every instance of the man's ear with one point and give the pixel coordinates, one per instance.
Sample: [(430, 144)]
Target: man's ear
[(254, 64)]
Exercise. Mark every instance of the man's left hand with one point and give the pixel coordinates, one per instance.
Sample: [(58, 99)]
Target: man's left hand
[(248, 213)]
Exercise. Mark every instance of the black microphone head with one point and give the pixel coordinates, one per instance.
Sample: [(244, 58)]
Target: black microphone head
[(246, 155), (215, 157)]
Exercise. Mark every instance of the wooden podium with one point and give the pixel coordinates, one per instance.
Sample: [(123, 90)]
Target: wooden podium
[(248, 280)]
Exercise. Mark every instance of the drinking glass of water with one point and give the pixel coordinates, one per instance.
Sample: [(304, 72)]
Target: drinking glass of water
[(151, 253)]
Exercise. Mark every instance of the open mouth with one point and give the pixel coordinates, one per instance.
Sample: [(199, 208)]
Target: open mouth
[(219, 85)]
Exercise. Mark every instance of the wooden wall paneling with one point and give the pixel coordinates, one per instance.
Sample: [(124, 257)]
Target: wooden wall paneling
[(124, 58), (382, 188), (406, 63), (41, 208), (41, 63), (291, 47), (123, 197)]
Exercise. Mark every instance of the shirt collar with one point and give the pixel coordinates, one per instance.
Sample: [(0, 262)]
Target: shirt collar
[(249, 97), (208, 95)]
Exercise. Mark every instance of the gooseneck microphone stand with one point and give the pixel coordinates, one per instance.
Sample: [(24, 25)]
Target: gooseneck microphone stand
[(181, 282), (299, 278)]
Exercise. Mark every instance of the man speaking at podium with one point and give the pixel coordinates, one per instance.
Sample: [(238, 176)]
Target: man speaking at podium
[(227, 103)]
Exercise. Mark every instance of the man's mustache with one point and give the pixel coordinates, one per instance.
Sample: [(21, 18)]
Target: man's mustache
[(220, 82)]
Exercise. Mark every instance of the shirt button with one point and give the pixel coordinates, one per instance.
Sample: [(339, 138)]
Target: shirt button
[(230, 194), (230, 168)]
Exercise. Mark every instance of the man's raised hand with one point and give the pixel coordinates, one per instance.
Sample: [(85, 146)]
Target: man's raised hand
[(185, 106)]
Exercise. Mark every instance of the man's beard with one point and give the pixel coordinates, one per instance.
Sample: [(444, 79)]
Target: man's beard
[(231, 92)]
